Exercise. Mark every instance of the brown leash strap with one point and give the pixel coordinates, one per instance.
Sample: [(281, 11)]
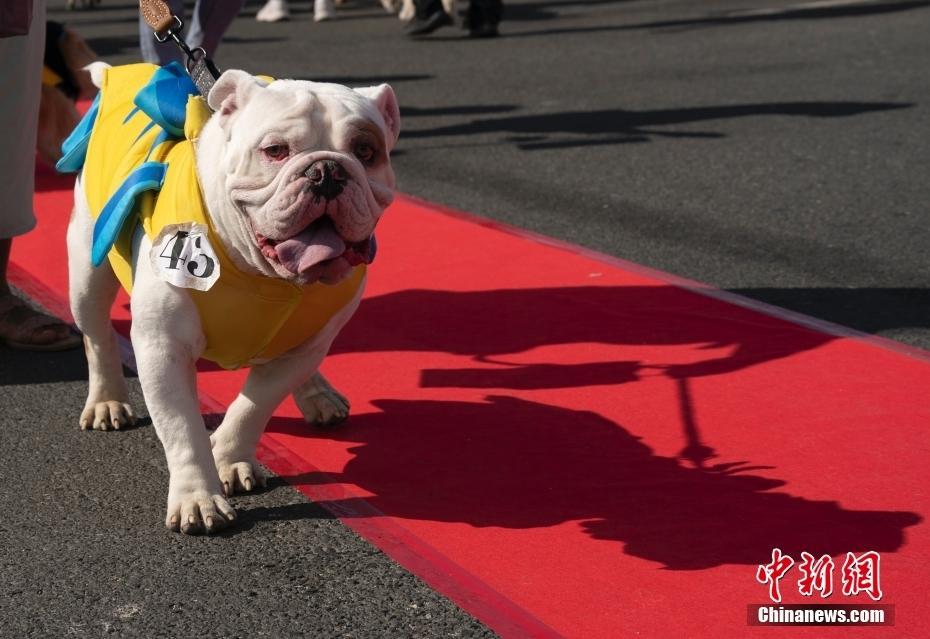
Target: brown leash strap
[(156, 14), (167, 26)]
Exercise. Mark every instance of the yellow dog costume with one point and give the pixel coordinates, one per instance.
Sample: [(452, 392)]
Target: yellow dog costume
[(136, 147)]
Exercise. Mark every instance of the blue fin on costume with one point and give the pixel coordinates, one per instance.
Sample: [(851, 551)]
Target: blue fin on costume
[(116, 211), (74, 148), (164, 98)]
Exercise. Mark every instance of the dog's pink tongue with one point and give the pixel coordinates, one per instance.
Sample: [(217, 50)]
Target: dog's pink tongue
[(317, 243)]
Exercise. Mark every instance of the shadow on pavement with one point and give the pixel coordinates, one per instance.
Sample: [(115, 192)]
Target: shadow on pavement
[(532, 11), (18, 367), (612, 126), (35, 367), (362, 80), (870, 310), (773, 15), (466, 109), (811, 12), (248, 517)]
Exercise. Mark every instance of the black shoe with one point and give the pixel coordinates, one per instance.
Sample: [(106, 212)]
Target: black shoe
[(484, 31), (424, 26)]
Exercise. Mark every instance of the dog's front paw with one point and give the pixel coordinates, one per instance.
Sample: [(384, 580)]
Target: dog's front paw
[(320, 403), (194, 512), (105, 415), (241, 476)]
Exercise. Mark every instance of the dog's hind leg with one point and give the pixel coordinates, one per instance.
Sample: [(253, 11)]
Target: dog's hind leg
[(92, 291), (320, 403)]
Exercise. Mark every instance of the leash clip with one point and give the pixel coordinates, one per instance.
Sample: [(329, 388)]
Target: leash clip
[(170, 32), (201, 70)]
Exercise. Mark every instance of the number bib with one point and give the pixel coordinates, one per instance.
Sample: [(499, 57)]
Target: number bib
[(182, 256)]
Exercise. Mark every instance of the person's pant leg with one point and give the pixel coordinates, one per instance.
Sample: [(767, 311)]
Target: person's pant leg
[(482, 12), (426, 8), (20, 86), (211, 20)]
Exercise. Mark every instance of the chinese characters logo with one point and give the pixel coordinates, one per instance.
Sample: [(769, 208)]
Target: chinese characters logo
[(859, 573)]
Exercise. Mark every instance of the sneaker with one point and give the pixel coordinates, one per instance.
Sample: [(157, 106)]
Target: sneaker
[(273, 11), (423, 26), (323, 10)]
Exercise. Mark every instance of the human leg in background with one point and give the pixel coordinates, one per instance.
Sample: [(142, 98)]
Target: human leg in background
[(273, 11), (155, 52), (323, 10), (430, 15), (20, 325), (482, 18), (210, 21)]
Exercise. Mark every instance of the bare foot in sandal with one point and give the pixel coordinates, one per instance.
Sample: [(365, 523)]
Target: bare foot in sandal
[(25, 328)]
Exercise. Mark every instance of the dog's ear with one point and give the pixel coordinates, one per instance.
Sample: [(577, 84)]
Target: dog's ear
[(231, 91), (386, 102)]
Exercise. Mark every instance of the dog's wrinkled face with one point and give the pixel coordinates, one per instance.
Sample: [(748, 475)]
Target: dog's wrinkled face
[(307, 165)]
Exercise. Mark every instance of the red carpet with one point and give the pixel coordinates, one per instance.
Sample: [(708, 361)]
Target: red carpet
[(570, 445)]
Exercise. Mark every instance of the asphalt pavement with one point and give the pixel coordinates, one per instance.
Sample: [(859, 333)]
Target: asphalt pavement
[(774, 148)]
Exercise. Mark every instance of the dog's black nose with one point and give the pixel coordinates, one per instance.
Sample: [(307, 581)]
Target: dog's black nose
[(327, 178)]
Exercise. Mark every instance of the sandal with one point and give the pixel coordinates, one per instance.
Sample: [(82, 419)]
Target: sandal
[(25, 328)]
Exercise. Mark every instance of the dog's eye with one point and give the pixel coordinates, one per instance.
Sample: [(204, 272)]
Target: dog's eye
[(276, 152), (364, 151)]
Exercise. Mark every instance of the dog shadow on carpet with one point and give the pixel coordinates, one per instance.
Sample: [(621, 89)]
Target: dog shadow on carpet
[(514, 463)]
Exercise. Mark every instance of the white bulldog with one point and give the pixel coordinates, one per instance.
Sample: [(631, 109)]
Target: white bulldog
[(295, 176)]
